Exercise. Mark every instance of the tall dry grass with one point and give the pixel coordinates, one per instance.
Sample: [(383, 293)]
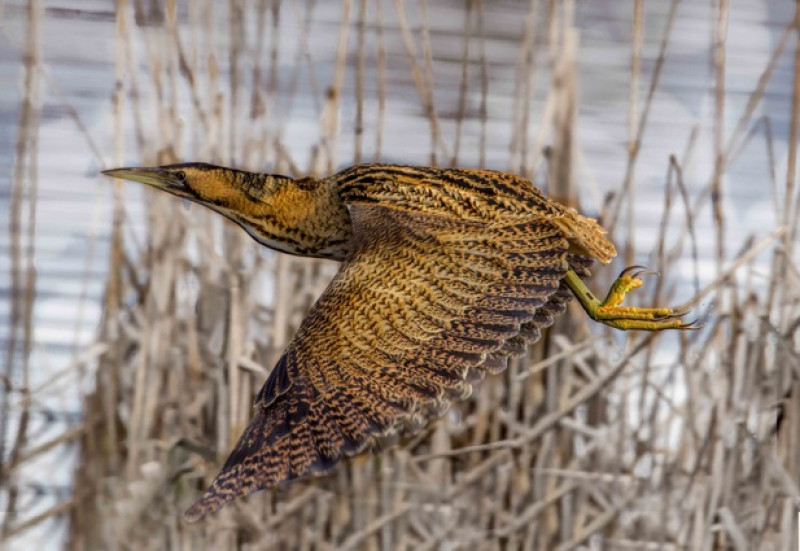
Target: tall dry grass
[(687, 441)]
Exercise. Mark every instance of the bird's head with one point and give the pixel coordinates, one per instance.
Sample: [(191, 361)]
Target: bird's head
[(222, 189), (301, 216)]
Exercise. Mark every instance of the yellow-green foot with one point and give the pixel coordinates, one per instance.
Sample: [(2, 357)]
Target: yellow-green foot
[(612, 314)]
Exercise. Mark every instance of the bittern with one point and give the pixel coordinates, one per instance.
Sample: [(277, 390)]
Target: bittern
[(445, 275)]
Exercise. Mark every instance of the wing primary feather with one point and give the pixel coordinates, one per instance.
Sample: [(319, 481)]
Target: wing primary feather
[(278, 382)]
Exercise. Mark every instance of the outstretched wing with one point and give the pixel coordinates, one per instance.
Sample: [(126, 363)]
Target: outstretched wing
[(421, 308)]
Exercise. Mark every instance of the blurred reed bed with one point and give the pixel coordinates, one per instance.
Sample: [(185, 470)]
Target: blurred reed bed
[(590, 441)]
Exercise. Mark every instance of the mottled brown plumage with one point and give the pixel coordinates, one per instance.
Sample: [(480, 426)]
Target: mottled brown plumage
[(446, 274)]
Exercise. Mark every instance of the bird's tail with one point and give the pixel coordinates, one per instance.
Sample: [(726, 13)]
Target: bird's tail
[(586, 235)]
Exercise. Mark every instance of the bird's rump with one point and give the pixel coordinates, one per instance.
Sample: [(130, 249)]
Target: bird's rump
[(421, 308)]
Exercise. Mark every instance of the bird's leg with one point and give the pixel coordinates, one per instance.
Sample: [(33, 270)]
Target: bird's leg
[(611, 313)]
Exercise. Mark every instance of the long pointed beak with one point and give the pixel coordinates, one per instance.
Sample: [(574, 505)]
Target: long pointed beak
[(152, 176)]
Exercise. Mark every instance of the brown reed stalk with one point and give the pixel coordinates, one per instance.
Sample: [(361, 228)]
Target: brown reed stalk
[(16, 375), (651, 442)]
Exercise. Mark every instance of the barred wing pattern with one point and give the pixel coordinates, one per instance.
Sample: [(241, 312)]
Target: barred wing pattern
[(422, 307)]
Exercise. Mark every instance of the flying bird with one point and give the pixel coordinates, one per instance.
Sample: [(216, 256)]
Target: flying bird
[(445, 275)]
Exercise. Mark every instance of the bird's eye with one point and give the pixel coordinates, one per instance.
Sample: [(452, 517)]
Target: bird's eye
[(181, 175)]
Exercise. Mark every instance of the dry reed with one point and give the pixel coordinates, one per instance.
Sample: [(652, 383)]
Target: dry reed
[(585, 443)]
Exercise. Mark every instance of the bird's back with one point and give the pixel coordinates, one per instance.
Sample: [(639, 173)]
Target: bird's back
[(469, 194)]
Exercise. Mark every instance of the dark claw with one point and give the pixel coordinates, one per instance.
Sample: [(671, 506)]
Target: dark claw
[(676, 313), (629, 269), (645, 273), (692, 326)]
